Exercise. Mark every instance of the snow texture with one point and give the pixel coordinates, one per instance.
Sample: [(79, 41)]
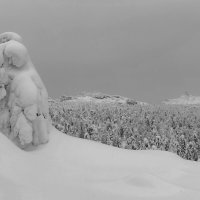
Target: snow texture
[(23, 96), (73, 168)]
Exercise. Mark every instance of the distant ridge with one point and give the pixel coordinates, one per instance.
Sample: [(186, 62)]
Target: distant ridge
[(185, 99), (101, 98)]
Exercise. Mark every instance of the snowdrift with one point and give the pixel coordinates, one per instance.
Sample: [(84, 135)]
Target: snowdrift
[(73, 168)]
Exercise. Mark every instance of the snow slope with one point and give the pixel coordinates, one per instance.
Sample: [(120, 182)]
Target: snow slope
[(73, 168)]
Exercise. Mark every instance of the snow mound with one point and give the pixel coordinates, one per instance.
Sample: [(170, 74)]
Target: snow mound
[(73, 168)]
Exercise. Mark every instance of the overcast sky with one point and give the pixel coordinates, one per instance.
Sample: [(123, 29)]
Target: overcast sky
[(148, 50)]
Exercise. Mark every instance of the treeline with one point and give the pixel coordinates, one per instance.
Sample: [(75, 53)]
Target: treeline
[(131, 126)]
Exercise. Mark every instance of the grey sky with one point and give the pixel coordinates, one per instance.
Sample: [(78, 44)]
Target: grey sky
[(143, 49)]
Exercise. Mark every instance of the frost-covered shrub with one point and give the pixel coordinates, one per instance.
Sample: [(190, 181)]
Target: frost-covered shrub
[(191, 152), (182, 146), (65, 98), (104, 138), (100, 96), (131, 102)]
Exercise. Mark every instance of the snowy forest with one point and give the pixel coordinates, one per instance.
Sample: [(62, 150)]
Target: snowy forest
[(130, 125)]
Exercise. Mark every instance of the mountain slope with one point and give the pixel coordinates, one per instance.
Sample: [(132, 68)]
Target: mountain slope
[(101, 98), (72, 168), (185, 99)]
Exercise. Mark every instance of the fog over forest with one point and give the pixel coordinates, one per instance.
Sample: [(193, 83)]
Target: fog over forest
[(147, 50)]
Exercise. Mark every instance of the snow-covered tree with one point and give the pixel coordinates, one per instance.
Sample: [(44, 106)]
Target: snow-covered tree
[(23, 96)]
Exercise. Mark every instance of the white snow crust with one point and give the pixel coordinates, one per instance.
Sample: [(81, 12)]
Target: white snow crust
[(77, 169)]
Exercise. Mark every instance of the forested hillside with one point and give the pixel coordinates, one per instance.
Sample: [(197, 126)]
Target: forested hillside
[(130, 124)]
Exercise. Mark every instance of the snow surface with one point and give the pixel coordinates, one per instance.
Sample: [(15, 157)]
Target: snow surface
[(73, 168)]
